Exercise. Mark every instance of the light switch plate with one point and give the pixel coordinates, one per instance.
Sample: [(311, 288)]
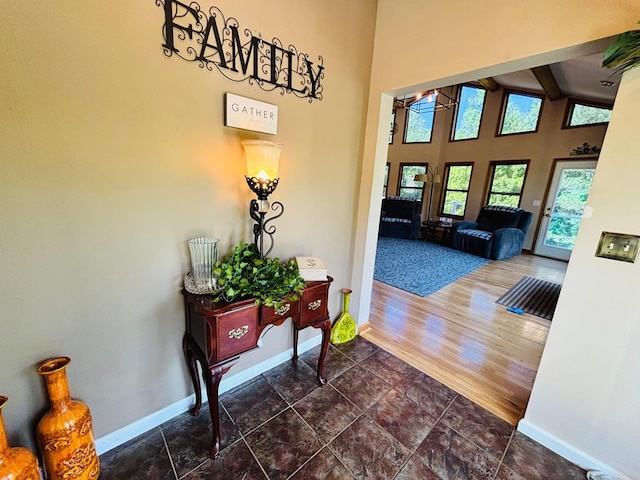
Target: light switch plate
[(618, 246)]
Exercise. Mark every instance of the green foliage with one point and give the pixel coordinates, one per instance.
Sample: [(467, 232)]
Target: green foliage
[(504, 200), (507, 184), (459, 177), (573, 191), (408, 174), (588, 115), (418, 128), (454, 203), (386, 180), (624, 53), (508, 178), (455, 197), (518, 121), (468, 124), (562, 233), (245, 275), (571, 198), (409, 188)]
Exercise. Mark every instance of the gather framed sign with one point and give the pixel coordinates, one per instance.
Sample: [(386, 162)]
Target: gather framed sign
[(249, 114)]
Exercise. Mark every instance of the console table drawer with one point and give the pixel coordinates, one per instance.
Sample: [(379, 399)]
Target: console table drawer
[(236, 331), (313, 305), (274, 315)]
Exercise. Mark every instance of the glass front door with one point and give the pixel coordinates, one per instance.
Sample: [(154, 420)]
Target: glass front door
[(568, 193)]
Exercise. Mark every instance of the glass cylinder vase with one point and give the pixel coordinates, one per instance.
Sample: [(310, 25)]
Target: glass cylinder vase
[(16, 463), (204, 254), (64, 433)]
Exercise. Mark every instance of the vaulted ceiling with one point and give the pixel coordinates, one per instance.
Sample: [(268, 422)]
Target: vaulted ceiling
[(582, 77)]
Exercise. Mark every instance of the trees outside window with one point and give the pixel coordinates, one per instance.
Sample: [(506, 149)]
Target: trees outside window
[(581, 114), (506, 181), (407, 187), (386, 180), (418, 125), (466, 124), (520, 113), (392, 127), (573, 191), (457, 178)]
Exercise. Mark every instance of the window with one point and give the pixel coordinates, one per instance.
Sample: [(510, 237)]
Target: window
[(386, 180), (466, 123), (457, 178), (520, 113), (393, 127), (506, 180), (418, 125), (407, 187), (581, 114)]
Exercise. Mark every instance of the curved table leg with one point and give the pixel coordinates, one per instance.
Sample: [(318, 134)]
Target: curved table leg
[(325, 326), (326, 334), (295, 344), (193, 373), (212, 377)]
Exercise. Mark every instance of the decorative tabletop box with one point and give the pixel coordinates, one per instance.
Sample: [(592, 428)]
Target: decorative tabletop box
[(312, 269)]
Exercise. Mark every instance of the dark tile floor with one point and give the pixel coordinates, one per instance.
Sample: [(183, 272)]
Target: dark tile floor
[(377, 418)]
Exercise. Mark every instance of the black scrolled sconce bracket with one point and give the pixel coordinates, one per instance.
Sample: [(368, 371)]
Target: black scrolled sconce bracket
[(262, 188), (258, 210)]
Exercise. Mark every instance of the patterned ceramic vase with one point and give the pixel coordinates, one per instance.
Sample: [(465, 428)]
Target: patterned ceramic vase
[(65, 435), (15, 463)]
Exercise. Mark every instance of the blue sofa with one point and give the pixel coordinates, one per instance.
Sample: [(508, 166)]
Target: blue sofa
[(497, 233), (400, 218)]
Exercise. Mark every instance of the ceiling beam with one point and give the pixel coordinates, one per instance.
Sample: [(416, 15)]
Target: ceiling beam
[(548, 82), (490, 84)]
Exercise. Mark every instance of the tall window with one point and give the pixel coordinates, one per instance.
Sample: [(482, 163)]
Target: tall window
[(506, 181), (520, 113), (418, 124), (457, 178), (392, 127), (581, 114), (407, 187), (386, 180), (466, 123)]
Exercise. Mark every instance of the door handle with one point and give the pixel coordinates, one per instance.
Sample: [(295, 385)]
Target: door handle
[(547, 215)]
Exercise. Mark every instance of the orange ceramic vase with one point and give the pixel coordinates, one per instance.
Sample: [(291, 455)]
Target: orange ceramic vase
[(65, 433), (15, 463)]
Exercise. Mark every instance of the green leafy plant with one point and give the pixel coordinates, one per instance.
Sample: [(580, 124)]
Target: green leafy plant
[(624, 53), (243, 274)]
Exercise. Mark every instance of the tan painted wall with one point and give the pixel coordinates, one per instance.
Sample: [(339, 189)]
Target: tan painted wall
[(588, 390), (112, 156), (540, 148)]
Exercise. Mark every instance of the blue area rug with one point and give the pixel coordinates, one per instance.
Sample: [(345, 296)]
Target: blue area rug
[(421, 267)]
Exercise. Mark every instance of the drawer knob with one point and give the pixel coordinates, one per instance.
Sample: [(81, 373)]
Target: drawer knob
[(239, 332), (283, 309), (315, 305)]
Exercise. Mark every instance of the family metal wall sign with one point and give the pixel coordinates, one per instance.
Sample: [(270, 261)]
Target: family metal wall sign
[(212, 41)]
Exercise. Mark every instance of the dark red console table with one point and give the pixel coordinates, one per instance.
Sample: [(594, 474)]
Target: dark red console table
[(217, 334)]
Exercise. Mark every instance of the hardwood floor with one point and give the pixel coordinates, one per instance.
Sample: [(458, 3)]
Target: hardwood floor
[(461, 337)]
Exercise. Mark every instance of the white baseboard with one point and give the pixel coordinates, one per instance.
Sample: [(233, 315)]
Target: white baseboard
[(568, 451), (128, 432)]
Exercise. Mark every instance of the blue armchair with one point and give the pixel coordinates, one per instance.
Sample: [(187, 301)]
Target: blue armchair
[(497, 233), (400, 218)]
